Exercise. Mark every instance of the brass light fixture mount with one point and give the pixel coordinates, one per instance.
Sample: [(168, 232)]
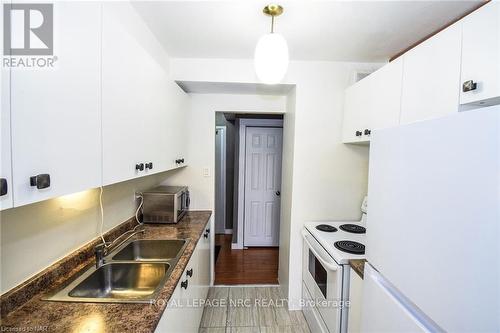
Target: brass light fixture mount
[(273, 10)]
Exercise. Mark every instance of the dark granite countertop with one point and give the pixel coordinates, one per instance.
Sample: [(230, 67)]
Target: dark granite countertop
[(39, 315), (358, 265)]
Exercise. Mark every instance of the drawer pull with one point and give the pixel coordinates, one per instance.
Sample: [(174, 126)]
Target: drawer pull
[(3, 186), (184, 284), (469, 86), (40, 181)]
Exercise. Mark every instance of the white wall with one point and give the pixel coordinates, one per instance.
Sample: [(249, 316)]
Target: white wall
[(201, 142), (329, 179)]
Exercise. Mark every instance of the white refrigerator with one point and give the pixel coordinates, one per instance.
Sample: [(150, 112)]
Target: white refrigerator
[(433, 227)]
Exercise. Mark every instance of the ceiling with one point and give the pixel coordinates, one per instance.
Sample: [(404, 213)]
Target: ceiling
[(364, 31)]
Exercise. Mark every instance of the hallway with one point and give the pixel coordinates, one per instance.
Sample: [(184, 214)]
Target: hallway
[(256, 265)]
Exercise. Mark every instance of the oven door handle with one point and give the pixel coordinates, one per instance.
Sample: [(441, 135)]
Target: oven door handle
[(329, 264)]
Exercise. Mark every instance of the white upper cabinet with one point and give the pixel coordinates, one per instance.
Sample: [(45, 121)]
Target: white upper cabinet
[(55, 117), (431, 77), (481, 56), (141, 105), (373, 103), (5, 163)]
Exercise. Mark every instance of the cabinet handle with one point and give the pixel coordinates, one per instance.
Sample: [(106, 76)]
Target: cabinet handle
[(182, 160), (139, 167), (469, 86), (368, 132), (205, 235), (184, 284), (3, 186), (189, 272), (149, 165), (41, 181), (359, 133)]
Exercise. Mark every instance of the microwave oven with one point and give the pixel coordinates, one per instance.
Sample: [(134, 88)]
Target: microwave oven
[(165, 204)]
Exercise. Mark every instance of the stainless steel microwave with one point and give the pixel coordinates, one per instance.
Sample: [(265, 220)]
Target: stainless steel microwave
[(165, 204)]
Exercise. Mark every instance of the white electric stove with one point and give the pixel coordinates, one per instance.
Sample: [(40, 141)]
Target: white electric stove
[(328, 247)]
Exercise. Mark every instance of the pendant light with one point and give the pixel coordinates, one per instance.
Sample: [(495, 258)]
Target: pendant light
[(271, 52)]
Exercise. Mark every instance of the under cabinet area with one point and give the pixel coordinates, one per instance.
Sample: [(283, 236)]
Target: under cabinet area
[(373, 103), (480, 76)]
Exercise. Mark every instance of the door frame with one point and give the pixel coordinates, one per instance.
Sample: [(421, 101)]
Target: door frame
[(243, 124), (222, 180)]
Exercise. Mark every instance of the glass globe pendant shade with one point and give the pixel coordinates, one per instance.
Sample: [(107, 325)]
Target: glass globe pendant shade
[(271, 58)]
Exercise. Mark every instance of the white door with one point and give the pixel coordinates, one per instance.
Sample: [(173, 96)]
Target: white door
[(55, 112), (262, 186), (220, 180)]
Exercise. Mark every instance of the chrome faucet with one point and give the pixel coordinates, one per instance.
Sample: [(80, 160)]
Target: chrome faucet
[(103, 249)]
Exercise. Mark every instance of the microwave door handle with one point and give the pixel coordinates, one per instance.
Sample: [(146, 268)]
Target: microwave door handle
[(332, 266)]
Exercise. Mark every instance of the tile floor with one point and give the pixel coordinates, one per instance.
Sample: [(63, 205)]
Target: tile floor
[(250, 310)]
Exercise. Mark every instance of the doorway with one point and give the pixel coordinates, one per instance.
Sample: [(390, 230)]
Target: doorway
[(247, 197)]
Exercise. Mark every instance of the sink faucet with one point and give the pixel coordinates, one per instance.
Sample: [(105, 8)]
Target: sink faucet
[(102, 250)]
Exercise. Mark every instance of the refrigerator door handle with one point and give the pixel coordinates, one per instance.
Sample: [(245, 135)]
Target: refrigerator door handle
[(316, 250)]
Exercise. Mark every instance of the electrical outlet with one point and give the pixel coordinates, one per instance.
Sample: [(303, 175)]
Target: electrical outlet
[(206, 172)]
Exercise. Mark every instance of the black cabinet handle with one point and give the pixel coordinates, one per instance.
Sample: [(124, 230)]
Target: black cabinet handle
[(207, 230), (278, 193), (184, 284), (189, 272), (368, 132), (359, 133), (149, 165), (205, 235), (41, 181), (469, 86), (179, 161), (3, 186), (182, 160), (139, 167)]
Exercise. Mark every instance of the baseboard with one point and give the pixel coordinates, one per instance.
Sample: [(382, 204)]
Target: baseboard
[(228, 231), (236, 246)]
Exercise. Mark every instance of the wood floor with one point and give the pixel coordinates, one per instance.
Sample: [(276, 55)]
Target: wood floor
[(256, 265)]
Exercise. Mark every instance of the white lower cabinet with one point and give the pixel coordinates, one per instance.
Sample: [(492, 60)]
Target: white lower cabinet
[(185, 307), (355, 302)]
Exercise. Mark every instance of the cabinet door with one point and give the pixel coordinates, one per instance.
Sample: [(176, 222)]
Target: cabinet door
[(183, 304), (385, 102), (481, 55), (126, 100), (55, 113), (431, 77), (355, 301), (5, 165), (356, 102)]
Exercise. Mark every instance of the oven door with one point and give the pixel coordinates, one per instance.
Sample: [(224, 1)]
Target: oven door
[(181, 205), (323, 278)]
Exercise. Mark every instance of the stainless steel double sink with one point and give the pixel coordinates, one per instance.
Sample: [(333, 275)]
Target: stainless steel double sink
[(134, 273)]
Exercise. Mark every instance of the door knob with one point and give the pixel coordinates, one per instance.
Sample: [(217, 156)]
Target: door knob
[(278, 193), (469, 86), (139, 167), (40, 181), (3, 186)]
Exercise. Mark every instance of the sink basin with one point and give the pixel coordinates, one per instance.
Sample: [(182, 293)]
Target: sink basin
[(125, 281), (151, 250)]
